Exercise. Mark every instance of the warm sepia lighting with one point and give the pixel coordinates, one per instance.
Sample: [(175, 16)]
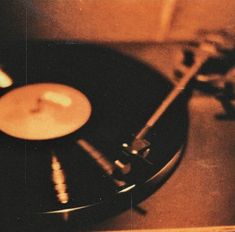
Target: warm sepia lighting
[(59, 180), (106, 165), (43, 111), (101, 160), (57, 98), (117, 115), (5, 80)]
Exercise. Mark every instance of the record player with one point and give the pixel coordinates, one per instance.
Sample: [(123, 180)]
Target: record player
[(65, 135), (88, 131)]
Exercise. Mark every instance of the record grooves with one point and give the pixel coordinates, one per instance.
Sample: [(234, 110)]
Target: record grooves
[(80, 168)]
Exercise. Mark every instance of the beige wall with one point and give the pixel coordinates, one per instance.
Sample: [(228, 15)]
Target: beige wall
[(116, 20)]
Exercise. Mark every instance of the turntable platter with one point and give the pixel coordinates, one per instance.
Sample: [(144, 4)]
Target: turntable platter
[(43, 111), (56, 155)]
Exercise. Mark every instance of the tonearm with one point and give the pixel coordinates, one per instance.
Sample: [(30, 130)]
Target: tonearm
[(139, 146)]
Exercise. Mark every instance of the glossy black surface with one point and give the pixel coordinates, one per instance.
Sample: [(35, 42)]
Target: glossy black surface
[(123, 93)]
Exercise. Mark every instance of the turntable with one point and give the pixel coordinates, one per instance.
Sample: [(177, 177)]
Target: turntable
[(93, 133), (70, 116), (83, 128)]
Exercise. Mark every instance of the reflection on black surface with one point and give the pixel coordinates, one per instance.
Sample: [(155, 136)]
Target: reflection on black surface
[(123, 94)]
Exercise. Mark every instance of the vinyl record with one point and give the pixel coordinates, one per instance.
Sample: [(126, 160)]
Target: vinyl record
[(64, 121)]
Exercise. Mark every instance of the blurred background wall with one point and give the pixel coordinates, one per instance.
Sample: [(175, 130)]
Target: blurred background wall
[(115, 20), (148, 30)]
